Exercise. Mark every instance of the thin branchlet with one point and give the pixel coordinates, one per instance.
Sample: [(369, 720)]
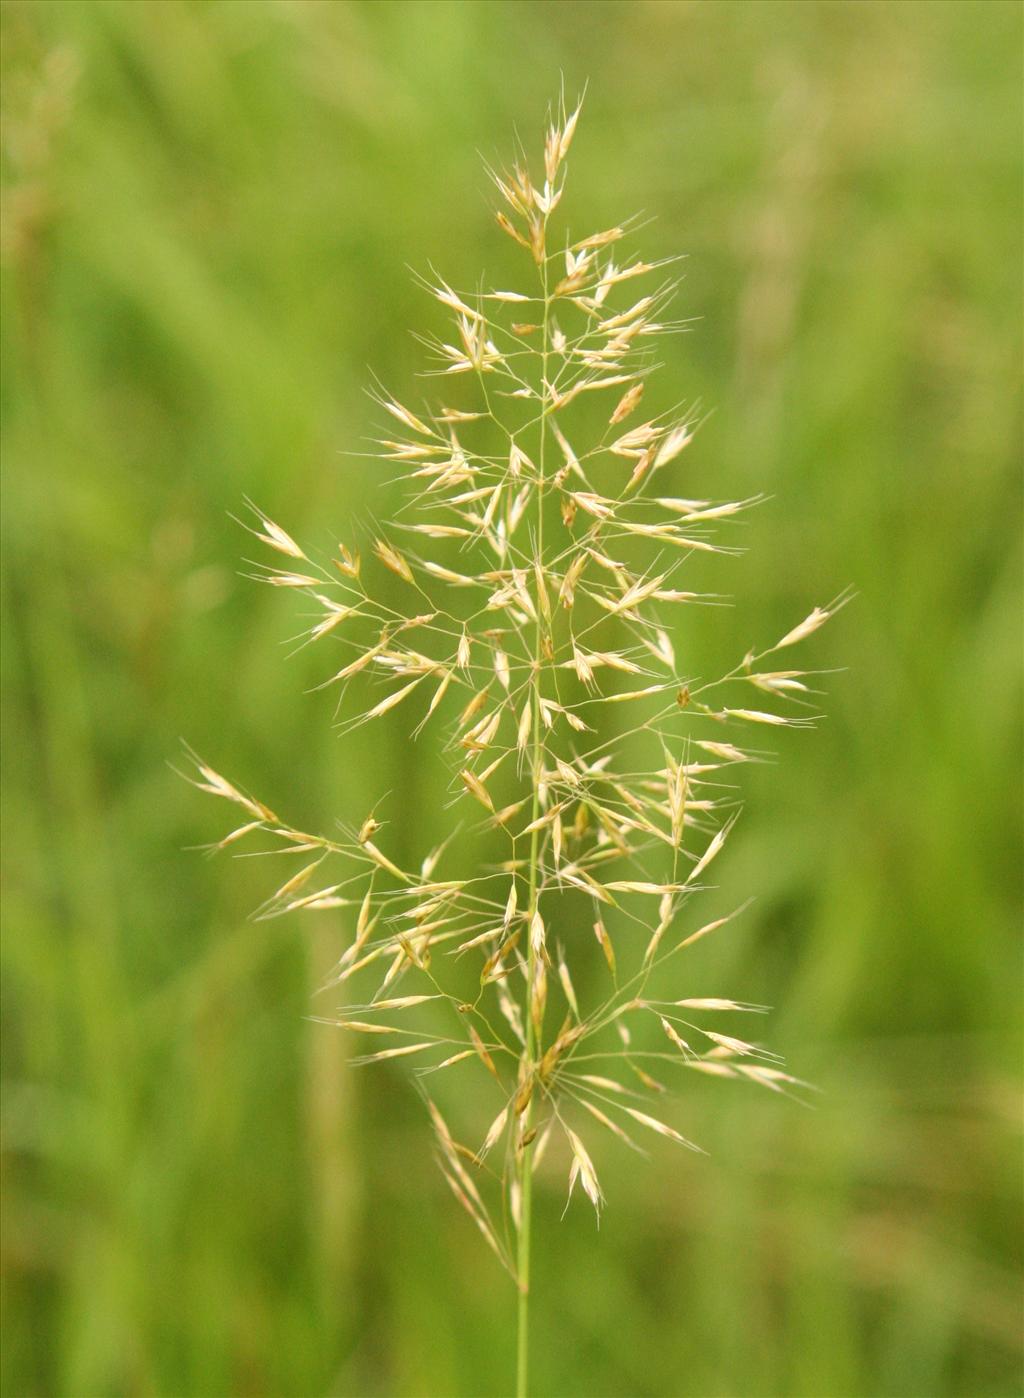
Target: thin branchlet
[(538, 565)]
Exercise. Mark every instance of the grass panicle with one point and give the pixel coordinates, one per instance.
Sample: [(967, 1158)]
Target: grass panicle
[(543, 560)]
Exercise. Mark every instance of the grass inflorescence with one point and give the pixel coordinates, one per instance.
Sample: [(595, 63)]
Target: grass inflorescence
[(544, 557)]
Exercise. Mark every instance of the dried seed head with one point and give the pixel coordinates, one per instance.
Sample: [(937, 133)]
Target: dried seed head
[(538, 628)]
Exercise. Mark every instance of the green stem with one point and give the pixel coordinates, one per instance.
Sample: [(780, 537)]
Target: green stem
[(523, 1335), (526, 1155)]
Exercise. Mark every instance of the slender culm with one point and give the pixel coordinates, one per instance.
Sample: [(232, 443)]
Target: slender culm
[(536, 572)]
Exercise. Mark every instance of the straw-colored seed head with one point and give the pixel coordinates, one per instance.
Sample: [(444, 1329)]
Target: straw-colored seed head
[(538, 590)]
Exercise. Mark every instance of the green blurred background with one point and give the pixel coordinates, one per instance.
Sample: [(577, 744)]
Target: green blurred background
[(209, 210)]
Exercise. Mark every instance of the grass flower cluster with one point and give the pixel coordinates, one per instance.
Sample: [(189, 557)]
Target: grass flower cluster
[(543, 566)]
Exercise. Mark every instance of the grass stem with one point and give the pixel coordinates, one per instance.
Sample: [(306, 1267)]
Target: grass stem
[(525, 1170)]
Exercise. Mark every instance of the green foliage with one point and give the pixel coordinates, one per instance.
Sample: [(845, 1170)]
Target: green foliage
[(205, 205)]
